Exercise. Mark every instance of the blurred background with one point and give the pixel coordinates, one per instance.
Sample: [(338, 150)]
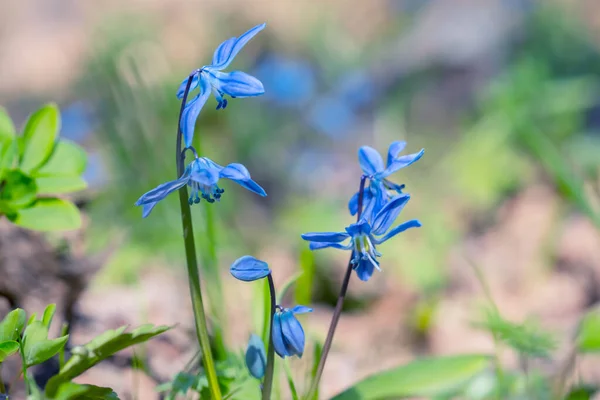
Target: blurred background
[(504, 95)]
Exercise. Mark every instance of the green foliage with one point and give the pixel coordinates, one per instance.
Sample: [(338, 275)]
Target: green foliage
[(12, 325), (37, 348), (75, 391), (427, 377), (34, 167), (98, 349), (588, 339), (527, 339), (8, 348)]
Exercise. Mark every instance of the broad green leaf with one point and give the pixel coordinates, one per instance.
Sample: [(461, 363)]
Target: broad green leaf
[(12, 325), (75, 391), (39, 136), (427, 377), (48, 315), (8, 155), (19, 190), (37, 348), (7, 129), (8, 348), (59, 184), (67, 159), (99, 348), (589, 332), (303, 291), (49, 215)]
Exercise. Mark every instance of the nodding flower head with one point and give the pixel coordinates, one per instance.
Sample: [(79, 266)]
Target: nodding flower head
[(256, 357), (209, 79), (381, 190), (364, 236), (202, 176), (288, 335)]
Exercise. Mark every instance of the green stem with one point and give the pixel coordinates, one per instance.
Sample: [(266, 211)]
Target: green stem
[(268, 381), (2, 388), (24, 368), (192, 267)]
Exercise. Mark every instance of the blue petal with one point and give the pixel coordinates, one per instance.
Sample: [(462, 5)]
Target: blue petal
[(335, 237), (256, 358), (364, 270), (387, 215), (236, 84), (353, 203), (401, 162), (248, 268), (301, 310), (236, 47), (395, 149), (193, 85), (223, 51), (240, 175), (277, 336), (192, 110), (324, 245), (293, 334), (400, 228), (147, 209), (361, 227), (163, 190), (370, 160), (204, 174)]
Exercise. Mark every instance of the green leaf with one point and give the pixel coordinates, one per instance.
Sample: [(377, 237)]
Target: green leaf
[(7, 349), (12, 325), (49, 215), (8, 154), (37, 348), (59, 184), (589, 332), (318, 350), (19, 190), (99, 348), (48, 314), (75, 391), (287, 286), (7, 129), (303, 292), (39, 136), (581, 393), (427, 377), (67, 159)]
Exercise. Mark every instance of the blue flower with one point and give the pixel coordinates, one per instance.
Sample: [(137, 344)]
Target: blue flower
[(364, 235), (256, 358), (381, 190), (202, 176), (288, 335), (210, 78), (248, 268)]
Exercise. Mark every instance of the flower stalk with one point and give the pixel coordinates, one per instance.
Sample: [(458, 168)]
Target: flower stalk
[(192, 265), (338, 306), (268, 381)]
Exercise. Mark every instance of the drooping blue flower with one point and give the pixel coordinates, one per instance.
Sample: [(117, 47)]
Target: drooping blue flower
[(288, 335), (364, 236), (210, 78), (202, 176), (380, 189), (248, 268), (256, 357)]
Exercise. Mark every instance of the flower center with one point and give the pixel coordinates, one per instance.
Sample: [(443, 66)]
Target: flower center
[(208, 193), (364, 249)]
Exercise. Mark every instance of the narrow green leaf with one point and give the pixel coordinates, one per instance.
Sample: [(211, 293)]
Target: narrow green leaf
[(8, 155), (427, 377), (287, 286), (39, 135), (19, 190), (49, 215), (48, 314), (67, 159), (7, 349), (589, 332), (12, 325), (59, 184), (7, 129), (318, 350), (290, 379), (303, 292), (100, 348)]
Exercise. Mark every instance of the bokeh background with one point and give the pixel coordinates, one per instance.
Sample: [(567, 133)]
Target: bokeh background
[(504, 95)]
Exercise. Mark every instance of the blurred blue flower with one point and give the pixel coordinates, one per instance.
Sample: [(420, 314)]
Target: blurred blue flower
[(209, 78), (364, 236), (381, 190), (256, 357), (288, 335), (248, 268), (331, 115), (291, 82), (202, 176)]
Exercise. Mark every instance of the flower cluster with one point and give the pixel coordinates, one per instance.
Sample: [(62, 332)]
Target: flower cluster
[(381, 202)]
